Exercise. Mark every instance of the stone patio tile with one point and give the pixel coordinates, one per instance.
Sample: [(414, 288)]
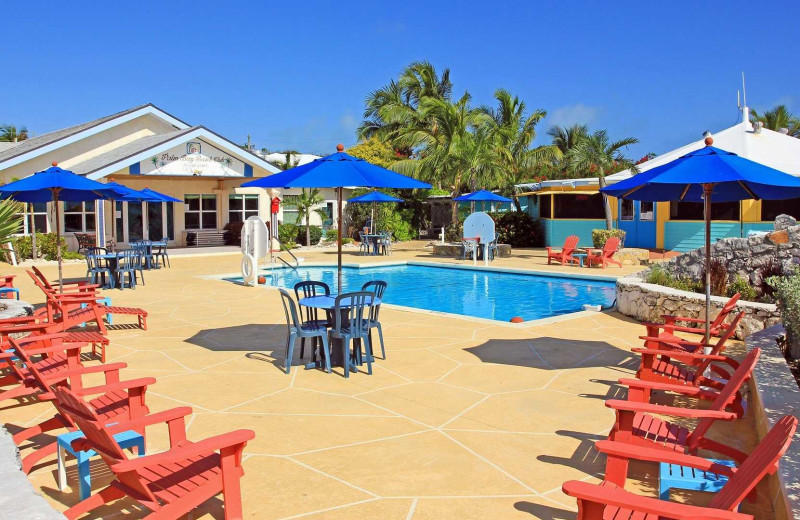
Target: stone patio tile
[(430, 403), (511, 508), (300, 401), (418, 365), (212, 391), (492, 379)]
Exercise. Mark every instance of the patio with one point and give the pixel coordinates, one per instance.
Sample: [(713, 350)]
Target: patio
[(465, 419)]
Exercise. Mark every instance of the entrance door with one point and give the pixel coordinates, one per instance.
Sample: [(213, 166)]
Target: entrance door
[(155, 221), (645, 225), (135, 222)]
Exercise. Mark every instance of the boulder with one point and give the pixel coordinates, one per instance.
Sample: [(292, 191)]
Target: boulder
[(783, 222)]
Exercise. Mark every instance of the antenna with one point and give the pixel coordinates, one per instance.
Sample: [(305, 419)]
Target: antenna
[(739, 99), (744, 91)]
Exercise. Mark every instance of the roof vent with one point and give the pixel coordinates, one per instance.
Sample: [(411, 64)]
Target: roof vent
[(784, 131), (706, 134), (757, 126)]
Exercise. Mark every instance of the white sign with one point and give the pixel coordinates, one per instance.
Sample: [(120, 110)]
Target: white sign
[(194, 158)]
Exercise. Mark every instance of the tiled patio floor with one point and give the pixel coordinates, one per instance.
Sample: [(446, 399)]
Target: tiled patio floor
[(464, 420)]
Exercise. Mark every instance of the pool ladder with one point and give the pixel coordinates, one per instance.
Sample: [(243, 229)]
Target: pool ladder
[(283, 261)]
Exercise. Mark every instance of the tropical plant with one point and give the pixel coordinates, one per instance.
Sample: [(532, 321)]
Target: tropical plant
[(512, 132), (787, 295), (598, 155), (517, 228), (307, 202), (601, 236), (11, 133), (288, 162), (777, 118), (375, 151), (10, 220)]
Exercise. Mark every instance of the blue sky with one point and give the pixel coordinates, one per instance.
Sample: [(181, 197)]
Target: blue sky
[(295, 74)]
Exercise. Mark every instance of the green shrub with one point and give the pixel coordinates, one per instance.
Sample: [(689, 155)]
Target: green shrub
[(516, 228), (742, 286), (659, 276), (599, 237), (315, 233), (771, 268), (72, 255), (45, 245), (454, 232), (347, 240), (287, 234), (399, 226), (787, 296)]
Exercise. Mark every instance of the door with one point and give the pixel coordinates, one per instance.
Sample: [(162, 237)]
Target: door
[(645, 225), (135, 222), (155, 221)]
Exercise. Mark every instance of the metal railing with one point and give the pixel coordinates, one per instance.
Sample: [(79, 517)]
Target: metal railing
[(284, 248)]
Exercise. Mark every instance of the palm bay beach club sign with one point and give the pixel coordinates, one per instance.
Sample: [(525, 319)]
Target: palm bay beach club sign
[(194, 158)]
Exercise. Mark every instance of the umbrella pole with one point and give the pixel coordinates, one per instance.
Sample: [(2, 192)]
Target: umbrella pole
[(58, 241), (339, 239), (707, 210)]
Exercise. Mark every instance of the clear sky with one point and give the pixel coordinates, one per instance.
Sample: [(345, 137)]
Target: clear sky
[(295, 74)]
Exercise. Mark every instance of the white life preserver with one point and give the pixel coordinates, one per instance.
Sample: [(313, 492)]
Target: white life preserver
[(249, 270)]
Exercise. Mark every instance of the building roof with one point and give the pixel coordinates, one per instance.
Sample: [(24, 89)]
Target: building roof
[(4, 145), (299, 158), (763, 146), (44, 143)]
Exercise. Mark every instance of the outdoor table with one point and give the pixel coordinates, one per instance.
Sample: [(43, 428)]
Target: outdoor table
[(374, 238), (580, 257), (328, 304)]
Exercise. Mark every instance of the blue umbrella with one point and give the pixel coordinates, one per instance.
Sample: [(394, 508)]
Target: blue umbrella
[(159, 197), (339, 170), (130, 194), (374, 197), (481, 196), (55, 184), (702, 176)]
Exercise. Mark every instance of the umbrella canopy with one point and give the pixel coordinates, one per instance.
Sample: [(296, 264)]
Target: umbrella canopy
[(706, 175), (339, 170), (159, 197), (481, 196), (56, 185), (131, 195), (374, 196)]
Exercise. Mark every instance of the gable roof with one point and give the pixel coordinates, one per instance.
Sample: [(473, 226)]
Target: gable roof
[(35, 146)]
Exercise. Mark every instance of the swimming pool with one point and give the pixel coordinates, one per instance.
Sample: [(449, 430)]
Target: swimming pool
[(469, 292)]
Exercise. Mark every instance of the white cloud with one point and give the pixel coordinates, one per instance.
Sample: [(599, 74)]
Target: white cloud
[(348, 122), (573, 114)]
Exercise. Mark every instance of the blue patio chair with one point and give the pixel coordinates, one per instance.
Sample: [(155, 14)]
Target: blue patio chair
[(140, 262), (378, 287), (297, 329), (310, 288), (98, 266), (469, 248), (364, 248), (160, 252), (386, 243), (351, 322), (128, 261)]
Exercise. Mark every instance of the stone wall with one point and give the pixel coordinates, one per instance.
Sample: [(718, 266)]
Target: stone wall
[(647, 302)]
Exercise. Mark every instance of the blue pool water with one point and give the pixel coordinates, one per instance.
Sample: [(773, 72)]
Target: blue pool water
[(471, 292)]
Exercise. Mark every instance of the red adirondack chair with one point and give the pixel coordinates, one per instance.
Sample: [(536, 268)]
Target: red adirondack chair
[(717, 326), (565, 255), (670, 343), (116, 400), (605, 256), (637, 425), (610, 501), (170, 483), (7, 281)]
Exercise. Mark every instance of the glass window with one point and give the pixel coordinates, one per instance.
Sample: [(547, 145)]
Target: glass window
[(626, 209), (170, 221), (694, 211), (118, 222), (33, 215), (545, 203), (78, 217), (772, 208), (646, 211), (200, 212), (290, 213), (242, 207), (135, 222), (584, 206)]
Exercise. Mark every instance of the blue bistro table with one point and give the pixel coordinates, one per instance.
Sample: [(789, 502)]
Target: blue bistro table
[(580, 256), (128, 439), (328, 304)]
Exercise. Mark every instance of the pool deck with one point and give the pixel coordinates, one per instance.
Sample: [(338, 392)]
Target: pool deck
[(464, 419)]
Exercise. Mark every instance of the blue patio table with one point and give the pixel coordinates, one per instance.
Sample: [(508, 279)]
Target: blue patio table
[(328, 303), (374, 238), (113, 261), (580, 256)]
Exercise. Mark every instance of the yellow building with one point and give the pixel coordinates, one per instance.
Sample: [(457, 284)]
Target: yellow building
[(147, 147)]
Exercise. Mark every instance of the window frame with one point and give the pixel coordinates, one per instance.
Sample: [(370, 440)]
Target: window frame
[(84, 212), (622, 213), (651, 214), (200, 212), (289, 205), (243, 213)]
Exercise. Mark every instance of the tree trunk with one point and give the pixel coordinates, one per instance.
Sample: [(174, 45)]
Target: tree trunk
[(606, 204), (517, 204), (308, 230), (454, 212)]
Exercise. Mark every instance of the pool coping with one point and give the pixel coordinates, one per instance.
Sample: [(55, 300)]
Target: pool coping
[(446, 265)]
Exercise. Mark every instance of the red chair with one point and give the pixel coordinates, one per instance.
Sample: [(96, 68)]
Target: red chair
[(669, 326), (610, 501), (171, 483), (604, 256), (668, 342), (7, 281), (565, 255)]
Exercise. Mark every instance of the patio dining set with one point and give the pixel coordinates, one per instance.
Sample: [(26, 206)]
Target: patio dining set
[(125, 267), (332, 323), (375, 243)]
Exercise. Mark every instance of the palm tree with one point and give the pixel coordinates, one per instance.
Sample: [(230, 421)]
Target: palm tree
[(306, 202), (10, 220), (596, 154), (288, 163), (513, 132), (11, 134), (565, 138), (777, 118)]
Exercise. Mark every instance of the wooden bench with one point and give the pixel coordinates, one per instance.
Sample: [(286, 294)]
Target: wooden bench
[(205, 238)]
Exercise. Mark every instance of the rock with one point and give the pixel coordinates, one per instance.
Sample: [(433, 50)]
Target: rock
[(779, 237), (783, 222)]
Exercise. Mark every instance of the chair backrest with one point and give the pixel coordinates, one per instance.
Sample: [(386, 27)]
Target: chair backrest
[(610, 247), (289, 309), (378, 287), (37, 274), (353, 305), (21, 351), (727, 395), (128, 259), (729, 332), (99, 438), (311, 288), (570, 244), (764, 460), (96, 250), (726, 309)]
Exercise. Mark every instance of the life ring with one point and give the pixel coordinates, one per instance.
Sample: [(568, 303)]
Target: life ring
[(249, 269)]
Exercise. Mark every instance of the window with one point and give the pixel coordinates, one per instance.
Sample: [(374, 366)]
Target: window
[(34, 214), (170, 221), (78, 217), (290, 213), (626, 209), (242, 207), (646, 211), (583, 206), (545, 203), (772, 208), (694, 211), (200, 212)]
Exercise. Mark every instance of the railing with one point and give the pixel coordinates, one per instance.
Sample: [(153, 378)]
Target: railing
[(284, 248)]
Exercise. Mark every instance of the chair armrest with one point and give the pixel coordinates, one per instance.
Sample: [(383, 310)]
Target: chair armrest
[(689, 413), (631, 451), (206, 446), (681, 355), (79, 371), (166, 416), (691, 391), (672, 342), (142, 382), (72, 347), (31, 325), (614, 496), (672, 318)]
